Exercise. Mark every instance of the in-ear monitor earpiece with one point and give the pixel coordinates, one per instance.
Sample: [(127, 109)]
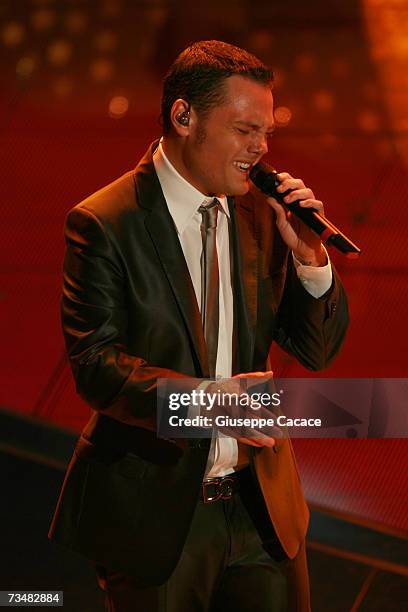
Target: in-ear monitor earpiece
[(183, 118)]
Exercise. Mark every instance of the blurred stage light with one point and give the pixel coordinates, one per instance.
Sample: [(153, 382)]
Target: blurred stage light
[(386, 22), (75, 21), (59, 52), (106, 40), (323, 101), (110, 8), (157, 15), (340, 68), (43, 19), (261, 41), (101, 70), (305, 62), (63, 86), (282, 115), (25, 67), (12, 34), (118, 107), (368, 120)]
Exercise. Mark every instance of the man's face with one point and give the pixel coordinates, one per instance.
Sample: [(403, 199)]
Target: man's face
[(222, 147)]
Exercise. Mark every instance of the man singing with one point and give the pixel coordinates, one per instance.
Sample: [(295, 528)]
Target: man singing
[(181, 269)]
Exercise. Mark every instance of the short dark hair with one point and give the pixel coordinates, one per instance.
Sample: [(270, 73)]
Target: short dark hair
[(199, 72)]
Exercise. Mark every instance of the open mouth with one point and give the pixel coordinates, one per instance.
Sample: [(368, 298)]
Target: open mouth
[(243, 167)]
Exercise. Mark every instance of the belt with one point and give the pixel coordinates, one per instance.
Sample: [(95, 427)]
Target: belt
[(221, 487)]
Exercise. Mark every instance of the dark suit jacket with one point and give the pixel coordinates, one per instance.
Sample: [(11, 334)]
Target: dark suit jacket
[(130, 316)]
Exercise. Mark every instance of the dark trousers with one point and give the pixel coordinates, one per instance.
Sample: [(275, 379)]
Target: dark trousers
[(223, 567)]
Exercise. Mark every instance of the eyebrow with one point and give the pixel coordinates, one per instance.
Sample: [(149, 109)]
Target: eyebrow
[(255, 126)]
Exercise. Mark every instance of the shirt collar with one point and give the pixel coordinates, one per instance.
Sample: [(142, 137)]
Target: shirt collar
[(183, 200)]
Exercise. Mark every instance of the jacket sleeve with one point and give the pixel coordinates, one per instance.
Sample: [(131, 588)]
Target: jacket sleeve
[(312, 329), (94, 321)]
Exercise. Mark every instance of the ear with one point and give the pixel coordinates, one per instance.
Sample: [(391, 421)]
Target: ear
[(180, 117)]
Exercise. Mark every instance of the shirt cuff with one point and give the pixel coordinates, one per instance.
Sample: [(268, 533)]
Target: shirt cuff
[(315, 279)]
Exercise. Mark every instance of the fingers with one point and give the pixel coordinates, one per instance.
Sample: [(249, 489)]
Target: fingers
[(298, 192), (258, 442), (305, 197), (266, 374), (288, 182), (316, 204), (233, 385), (227, 385), (283, 176)]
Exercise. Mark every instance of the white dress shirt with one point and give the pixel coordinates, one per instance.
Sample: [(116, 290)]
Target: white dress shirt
[(183, 201)]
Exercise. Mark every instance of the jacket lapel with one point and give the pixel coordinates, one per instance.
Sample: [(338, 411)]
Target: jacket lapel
[(160, 226)]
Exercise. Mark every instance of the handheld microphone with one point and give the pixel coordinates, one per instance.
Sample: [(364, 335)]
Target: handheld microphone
[(265, 178)]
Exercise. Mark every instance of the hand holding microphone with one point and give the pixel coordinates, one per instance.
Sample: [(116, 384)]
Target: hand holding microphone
[(303, 238)]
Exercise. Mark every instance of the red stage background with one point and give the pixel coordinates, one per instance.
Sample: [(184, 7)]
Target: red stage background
[(79, 105)]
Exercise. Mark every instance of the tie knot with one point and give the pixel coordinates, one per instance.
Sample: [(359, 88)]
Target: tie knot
[(210, 214)]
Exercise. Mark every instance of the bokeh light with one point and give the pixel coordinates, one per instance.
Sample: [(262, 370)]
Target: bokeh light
[(26, 66), (101, 70), (59, 52), (63, 86), (261, 41), (282, 115), (323, 100), (75, 22), (118, 107), (340, 67), (305, 62), (12, 34), (110, 8), (368, 120), (43, 19), (105, 40)]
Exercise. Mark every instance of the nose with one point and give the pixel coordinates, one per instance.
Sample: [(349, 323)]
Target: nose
[(259, 145)]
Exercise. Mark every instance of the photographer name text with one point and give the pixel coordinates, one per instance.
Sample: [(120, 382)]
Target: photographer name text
[(252, 422)]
